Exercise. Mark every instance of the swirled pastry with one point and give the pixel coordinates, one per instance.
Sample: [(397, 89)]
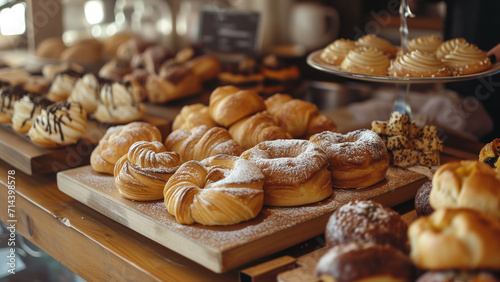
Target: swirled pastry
[(192, 116), (202, 142), (447, 46), (418, 64), (86, 92), (367, 60), (116, 142), (466, 59), (219, 190), (336, 51), (142, 173), (427, 44), (373, 41), (25, 111), (119, 104), (8, 96), (60, 124), (259, 127), (63, 85)]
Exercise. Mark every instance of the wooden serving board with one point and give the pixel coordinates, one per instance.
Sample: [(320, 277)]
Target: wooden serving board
[(20, 152), (222, 248)]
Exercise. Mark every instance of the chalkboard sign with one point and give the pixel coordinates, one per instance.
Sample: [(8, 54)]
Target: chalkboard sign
[(229, 31)]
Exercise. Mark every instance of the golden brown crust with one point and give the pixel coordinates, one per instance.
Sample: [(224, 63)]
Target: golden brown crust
[(220, 190), (455, 239), (206, 67), (490, 153), (466, 184), (447, 46), (466, 59), (418, 64), (178, 82), (142, 173), (86, 51), (192, 116), (51, 48)]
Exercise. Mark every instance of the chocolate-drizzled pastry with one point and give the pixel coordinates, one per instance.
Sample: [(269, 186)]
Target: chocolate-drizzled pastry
[(63, 85), (278, 75), (9, 94), (60, 124), (246, 74), (26, 110), (119, 104), (86, 91)]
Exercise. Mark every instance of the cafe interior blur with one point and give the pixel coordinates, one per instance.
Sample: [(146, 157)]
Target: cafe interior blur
[(289, 29)]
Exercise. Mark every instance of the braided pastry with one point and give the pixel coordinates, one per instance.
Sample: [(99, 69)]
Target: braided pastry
[(219, 190), (259, 127), (192, 116), (228, 104), (202, 142), (142, 173), (116, 142)]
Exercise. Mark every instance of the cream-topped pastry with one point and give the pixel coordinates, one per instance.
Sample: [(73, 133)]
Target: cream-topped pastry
[(63, 85), (8, 96), (366, 60), (60, 124), (467, 59), (119, 104), (336, 51), (447, 46), (86, 91), (428, 43), (418, 64), (26, 110), (373, 41)]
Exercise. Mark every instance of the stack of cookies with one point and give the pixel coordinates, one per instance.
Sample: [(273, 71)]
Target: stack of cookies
[(408, 144)]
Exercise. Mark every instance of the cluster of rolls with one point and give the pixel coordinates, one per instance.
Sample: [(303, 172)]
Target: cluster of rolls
[(427, 56), (224, 161)]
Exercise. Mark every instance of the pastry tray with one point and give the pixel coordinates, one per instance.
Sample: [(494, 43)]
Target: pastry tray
[(222, 248), (315, 61)]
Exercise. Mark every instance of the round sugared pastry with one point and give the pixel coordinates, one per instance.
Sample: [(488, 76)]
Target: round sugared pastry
[(373, 41), (63, 85), (490, 153), (427, 44), (296, 171), (457, 238), (8, 97), (366, 60), (422, 205), (458, 276), (357, 159), (336, 51), (59, 124), (142, 173), (355, 262), (418, 64), (366, 221), (466, 184), (447, 46), (25, 111), (119, 104), (220, 190), (467, 59)]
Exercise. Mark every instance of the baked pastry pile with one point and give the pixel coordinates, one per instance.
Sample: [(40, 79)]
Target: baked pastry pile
[(408, 144), (428, 56)]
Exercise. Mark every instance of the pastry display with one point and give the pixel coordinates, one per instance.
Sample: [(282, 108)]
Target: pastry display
[(296, 171), (85, 51), (466, 59), (489, 154), (336, 51), (229, 104), (300, 118), (36, 84), (455, 239), (278, 76), (466, 184), (357, 159), (426, 44), (206, 67), (257, 128), (220, 190), (59, 124), (202, 142), (115, 70), (26, 110), (418, 64), (62, 86), (245, 74), (366, 221), (408, 144), (111, 44), (176, 82), (49, 72), (192, 116), (365, 262), (132, 47), (421, 203), (119, 104), (379, 43), (86, 91), (8, 96), (447, 46), (50, 48), (142, 173), (116, 143), (366, 60)]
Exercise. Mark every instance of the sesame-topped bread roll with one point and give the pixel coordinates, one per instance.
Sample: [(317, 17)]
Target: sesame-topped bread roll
[(427, 44), (418, 64), (366, 60), (467, 59)]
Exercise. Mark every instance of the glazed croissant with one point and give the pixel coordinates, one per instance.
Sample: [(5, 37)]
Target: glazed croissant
[(301, 119), (141, 174), (259, 127), (192, 116), (202, 142)]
